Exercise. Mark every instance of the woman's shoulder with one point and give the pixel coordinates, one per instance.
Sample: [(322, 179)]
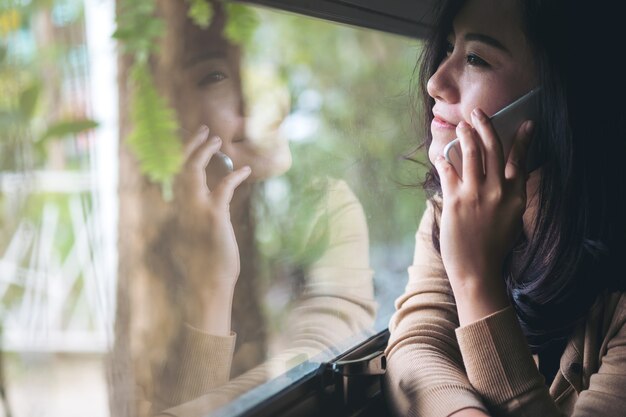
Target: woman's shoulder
[(612, 302), (616, 303), (609, 313)]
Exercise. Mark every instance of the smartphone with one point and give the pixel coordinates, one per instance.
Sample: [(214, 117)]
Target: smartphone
[(506, 122), (225, 161), (218, 167)]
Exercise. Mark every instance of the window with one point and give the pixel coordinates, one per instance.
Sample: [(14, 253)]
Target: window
[(112, 258), (57, 205)]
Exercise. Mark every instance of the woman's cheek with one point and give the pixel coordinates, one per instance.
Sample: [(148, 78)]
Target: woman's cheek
[(433, 152)]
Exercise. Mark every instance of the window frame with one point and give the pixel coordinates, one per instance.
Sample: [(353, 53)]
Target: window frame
[(411, 19), (318, 393)]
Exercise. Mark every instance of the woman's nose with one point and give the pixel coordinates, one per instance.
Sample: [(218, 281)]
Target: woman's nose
[(442, 85)]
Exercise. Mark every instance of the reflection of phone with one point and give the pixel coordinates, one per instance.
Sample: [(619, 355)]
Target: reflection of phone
[(506, 122), (226, 161), (219, 166)]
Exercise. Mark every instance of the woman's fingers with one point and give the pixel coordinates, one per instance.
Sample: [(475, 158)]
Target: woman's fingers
[(224, 191), (494, 159), (447, 174), (200, 157), (472, 151), (516, 163), (192, 180), (198, 139)]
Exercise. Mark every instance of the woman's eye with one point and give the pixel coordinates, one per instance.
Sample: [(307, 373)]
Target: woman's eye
[(212, 78), (449, 48), (475, 60)]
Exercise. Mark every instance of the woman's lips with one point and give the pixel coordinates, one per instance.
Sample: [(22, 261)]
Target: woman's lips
[(442, 124)]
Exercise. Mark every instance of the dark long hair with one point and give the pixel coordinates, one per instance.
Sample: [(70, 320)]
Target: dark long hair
[(579, 234)]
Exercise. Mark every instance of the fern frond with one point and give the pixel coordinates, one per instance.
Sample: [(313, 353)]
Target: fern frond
[(201, 12), (137, 27), (241, 22), (154, 140)]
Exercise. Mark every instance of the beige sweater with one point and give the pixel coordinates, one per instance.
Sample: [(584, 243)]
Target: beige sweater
[(336, 306), (436, 368)]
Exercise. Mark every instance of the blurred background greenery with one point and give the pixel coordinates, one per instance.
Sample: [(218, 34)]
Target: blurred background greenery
[(352, 118)]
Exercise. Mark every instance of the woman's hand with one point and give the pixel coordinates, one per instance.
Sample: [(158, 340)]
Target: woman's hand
[(205, 245), (482, 214)]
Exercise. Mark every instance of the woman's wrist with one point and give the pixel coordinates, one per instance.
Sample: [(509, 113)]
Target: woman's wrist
[(477, 298), (210, 309)]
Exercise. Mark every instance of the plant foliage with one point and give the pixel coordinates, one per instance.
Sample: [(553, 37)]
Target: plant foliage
[(241, 23), (138, 28), (68, 127), (153, 140), (201, 12)]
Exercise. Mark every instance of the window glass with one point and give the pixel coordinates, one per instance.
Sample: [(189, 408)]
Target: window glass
[(57, 206), (140, 262)]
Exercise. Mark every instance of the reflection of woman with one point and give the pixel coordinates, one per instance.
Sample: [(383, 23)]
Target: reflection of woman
[(211, 238), (502, 248)]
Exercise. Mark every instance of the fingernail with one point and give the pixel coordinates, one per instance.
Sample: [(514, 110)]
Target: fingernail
[(203, 130), (246, 169), (479, 114), (530, 126), (463, 125), (215, 140), (202, 134)]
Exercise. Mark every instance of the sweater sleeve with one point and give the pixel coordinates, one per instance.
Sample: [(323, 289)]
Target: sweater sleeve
[(425, 372), (501, 368), (338, 298), (198, 363)]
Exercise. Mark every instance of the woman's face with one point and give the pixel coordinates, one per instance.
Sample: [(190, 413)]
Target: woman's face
[(488, 65), (213, 95)]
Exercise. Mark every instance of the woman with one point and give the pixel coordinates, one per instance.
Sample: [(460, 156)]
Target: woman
[(219, 347), (513, 305)]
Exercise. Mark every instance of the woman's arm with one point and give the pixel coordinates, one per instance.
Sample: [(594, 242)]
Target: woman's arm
[(425, 372), (501, 368), (337, 303), (200, 244), (480, 221), (205, 246)]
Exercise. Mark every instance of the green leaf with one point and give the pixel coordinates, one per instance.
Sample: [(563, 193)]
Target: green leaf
[(154, 140), (137, 26), (69, 127), (122, 34), (28, 100), (241, 23), (201, 12)]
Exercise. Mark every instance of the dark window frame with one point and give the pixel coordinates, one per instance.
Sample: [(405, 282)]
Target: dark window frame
[(401, 17), (319, 392)]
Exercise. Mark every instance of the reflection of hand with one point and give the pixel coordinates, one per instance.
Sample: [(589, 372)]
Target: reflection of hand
[(206, 244), (482, 213)]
